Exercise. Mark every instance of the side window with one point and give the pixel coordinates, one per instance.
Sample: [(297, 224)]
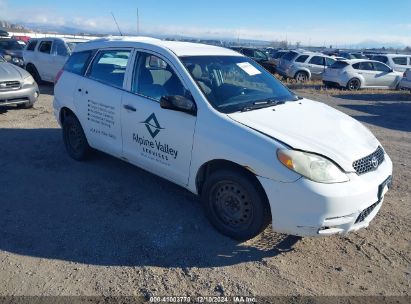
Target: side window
[(329, 62), (400, 60), (317, 60), (59, 48), (78, 62), (301, 58), (45, 47), (32, 45), (381, 67), (260, 55), (110, 67), (154, 78), (366, 66)]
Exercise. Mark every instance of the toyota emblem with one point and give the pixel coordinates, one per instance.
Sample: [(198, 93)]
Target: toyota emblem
[(374, 162)]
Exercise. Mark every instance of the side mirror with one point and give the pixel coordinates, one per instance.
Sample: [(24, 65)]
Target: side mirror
[(179, 103)]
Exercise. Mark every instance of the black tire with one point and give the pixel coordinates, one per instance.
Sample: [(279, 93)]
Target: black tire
[(75, 139), (301, 77), (33, 71), (235, 204), (354, 84)]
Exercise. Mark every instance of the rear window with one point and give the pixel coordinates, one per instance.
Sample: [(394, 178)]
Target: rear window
[(290, 56), (301, 58), (400, 60), (32, 45), (78, 62), (339, 65)]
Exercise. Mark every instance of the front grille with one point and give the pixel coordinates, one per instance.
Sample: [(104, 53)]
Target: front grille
[(9, 85), (370, 162), (366, 212)]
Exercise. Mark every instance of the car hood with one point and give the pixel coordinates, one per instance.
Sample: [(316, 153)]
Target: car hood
[(10, 72), (314, 127), (14, 53)]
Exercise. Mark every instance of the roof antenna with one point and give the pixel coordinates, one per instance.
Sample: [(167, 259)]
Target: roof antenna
[(121, 34)]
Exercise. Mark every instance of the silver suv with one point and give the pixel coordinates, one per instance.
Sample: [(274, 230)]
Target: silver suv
[(304, 66)]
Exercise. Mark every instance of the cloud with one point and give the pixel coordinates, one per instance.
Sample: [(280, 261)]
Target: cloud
[(338, 36)]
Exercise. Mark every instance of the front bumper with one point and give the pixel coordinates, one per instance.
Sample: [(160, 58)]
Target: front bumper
[(307, 208), (26, 94)]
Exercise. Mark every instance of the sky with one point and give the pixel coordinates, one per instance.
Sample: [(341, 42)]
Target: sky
[(315, 22)]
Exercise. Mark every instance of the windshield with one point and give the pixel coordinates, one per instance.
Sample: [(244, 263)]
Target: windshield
[(232, 83), (10, 45)]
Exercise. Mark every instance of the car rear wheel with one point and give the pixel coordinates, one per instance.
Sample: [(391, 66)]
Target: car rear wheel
[(75, 139), (354, 84), (301, 77), (235, 205)]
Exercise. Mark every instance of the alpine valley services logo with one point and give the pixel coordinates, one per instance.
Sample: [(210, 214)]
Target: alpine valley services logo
[(152, 125)]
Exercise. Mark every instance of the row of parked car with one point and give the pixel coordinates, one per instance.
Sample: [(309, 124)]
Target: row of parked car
[(348, 70)]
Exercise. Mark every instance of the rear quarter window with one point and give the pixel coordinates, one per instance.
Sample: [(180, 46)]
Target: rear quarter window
[(32, 45), (400, 60), (78, 62), (301, 58)]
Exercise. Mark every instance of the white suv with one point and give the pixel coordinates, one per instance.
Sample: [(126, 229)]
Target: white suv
[(217, 123), (397, 62), (304, 66), (44, 57)]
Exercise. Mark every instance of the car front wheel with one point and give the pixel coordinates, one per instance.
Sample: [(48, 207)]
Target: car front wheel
[(75, 139), (235, 205)]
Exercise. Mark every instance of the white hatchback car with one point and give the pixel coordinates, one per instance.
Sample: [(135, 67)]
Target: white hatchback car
[(217, 123), (360, 73)]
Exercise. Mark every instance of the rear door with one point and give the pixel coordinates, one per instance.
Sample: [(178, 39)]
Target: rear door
[(98, 99), (60, 55), (157, 139), (44, 62), (366, 70), (316, 65)]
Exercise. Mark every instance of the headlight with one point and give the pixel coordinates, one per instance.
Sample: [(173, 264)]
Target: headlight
[(312, 166), (16, 60), (29, 80)]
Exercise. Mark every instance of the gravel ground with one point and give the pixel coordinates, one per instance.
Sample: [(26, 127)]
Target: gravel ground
[(107, 228)]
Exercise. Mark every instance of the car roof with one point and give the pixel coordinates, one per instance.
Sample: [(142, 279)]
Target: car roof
[(354, 61), (179, 48), (60, 38)]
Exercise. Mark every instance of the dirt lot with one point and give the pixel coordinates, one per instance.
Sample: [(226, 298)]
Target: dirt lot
[(105, 227)]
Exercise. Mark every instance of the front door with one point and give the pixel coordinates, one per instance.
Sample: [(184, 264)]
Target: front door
[(156, 139), (98, 100), (384, 75), (44, 60)]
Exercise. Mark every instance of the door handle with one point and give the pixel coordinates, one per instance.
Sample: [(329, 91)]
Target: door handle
[(130, 108)]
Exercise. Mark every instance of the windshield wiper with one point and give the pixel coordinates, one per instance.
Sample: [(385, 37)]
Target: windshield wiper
[(259, 104)]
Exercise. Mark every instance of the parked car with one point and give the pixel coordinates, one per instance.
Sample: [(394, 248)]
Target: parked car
[(360, 73), (406, 81), (305, 66), (257, 55), (12, 51), (17, 87), (4, 33), (25, 39), (276, 56), (217, 123), (396, 61), (350, 56), (44, 57)]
